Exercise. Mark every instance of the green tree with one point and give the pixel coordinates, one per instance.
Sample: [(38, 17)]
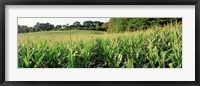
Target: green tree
[(58, 27), (104, 27), (133, 24), (77, 24)]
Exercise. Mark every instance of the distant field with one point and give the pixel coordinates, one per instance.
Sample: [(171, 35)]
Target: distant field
[(59, 36), (158, 47), (64, 36)]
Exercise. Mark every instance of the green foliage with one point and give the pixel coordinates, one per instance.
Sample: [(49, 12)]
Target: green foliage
[(160, 47), (102, 27), (87, 25), (117, 24), (77, 24), (134, 24), (44, 26)]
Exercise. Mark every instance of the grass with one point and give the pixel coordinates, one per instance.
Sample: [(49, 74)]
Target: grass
[(157, 47)]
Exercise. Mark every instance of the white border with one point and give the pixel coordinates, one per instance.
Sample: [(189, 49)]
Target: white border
[(187, 73)]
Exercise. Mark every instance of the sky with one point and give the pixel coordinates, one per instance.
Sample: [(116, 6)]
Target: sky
[(56, 21)]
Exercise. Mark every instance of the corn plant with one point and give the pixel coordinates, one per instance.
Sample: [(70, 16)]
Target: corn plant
[(159, 47)]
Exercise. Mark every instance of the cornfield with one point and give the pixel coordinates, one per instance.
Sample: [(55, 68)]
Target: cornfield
[(157, 47)]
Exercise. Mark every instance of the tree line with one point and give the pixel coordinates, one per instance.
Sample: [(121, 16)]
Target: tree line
[(113, 25), (135, 24), (87, 25)]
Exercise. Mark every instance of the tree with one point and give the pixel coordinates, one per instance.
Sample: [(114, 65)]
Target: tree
[(134, 24), (67, 27), (95, 23), (118, 24), (102, 27), (23, 29), (77, 24), (37, 26), (44, 26), (58, 27), (89, 25)]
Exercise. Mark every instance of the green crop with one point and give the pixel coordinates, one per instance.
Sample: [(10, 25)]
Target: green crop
[(158, 47)]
